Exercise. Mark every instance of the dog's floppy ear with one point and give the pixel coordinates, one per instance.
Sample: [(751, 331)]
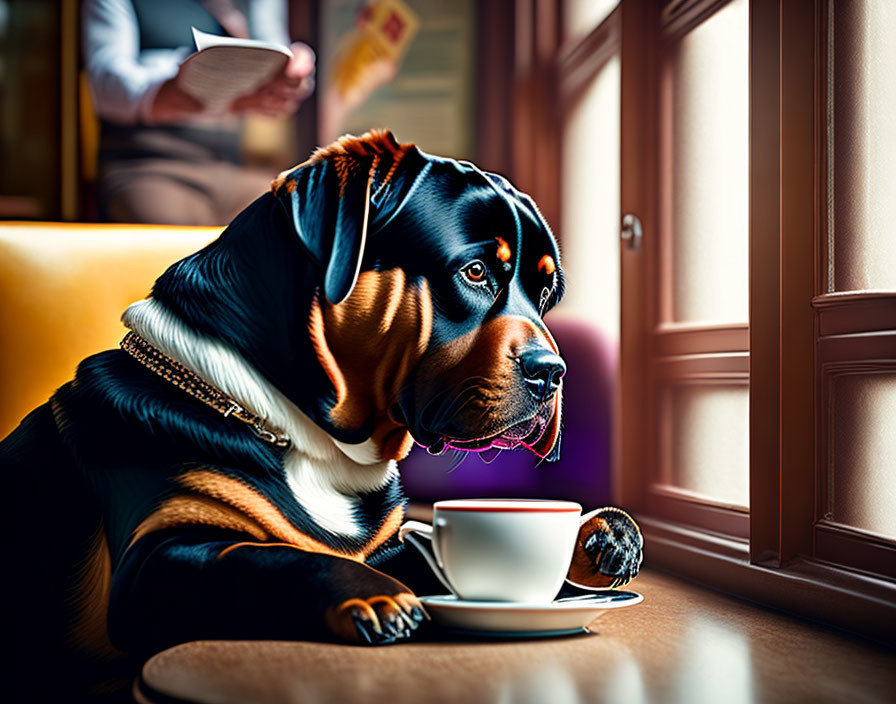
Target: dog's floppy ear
[(328, 202)]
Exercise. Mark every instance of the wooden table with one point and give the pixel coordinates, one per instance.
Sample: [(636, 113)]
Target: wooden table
[(682, 644)]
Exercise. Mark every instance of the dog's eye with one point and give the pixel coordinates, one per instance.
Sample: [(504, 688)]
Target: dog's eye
[(475, 273)]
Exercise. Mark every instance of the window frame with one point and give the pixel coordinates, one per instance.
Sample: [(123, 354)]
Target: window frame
[(788, 557)]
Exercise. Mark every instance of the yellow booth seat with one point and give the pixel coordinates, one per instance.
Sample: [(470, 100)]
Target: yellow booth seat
[(63, 288)]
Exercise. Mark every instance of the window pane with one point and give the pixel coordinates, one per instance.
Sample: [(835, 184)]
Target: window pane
[(862, 481), (707, 441), (864, 148), (706, 136), (591, 204), (581, 16)]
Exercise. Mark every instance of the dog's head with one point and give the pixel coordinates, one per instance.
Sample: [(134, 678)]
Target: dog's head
[(405, 293)]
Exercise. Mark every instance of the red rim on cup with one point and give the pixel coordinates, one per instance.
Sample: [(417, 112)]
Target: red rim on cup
[(508, 505)]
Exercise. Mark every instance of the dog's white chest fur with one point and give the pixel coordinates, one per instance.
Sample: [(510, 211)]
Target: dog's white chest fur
[(325, 475), (328, 491)]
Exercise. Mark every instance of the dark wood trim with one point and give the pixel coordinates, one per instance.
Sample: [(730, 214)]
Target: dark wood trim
[(494, 85), (765, 319), (725, 368), (796, 336), (70, 50), (857, 603), (855, 312), (637, 188), (842, 545), (858, 347), (679, 17), (658, 532), (679, 506), (842, 299), (304, 25), (679, 339), (782, 271)]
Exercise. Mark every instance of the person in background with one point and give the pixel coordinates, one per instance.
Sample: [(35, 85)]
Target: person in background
[(160, 159)]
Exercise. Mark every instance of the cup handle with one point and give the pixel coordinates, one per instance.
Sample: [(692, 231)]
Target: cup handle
[(410, 532)]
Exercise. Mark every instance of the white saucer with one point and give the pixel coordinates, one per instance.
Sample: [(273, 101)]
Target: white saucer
[(519, 620)]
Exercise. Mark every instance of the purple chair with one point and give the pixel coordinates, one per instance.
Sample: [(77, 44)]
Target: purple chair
[(583, 472)]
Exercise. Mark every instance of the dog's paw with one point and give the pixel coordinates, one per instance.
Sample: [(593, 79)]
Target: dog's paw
[(376, 620), (608, 550)]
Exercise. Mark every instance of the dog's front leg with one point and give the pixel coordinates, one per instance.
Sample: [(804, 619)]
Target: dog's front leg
[(202, 584)]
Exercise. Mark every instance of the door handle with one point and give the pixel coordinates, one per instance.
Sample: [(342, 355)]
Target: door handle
[(631, 233)]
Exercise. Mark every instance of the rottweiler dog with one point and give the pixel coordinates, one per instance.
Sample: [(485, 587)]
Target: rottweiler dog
[(231, 471)]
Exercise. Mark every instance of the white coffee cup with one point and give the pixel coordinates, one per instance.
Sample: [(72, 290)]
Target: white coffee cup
[(500, 549)]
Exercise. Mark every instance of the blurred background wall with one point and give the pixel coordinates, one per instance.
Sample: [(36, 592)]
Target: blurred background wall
[(520, 87)]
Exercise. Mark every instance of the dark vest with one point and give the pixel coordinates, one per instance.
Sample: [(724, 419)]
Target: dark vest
[(166, 24)]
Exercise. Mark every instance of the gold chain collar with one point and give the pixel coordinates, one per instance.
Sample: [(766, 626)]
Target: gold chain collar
[(176, 373)]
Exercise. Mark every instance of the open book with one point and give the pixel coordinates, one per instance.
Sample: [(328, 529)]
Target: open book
[(224, 69)]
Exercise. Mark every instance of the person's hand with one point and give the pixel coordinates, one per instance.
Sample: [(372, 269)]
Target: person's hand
[(284, 93), (171, 104)]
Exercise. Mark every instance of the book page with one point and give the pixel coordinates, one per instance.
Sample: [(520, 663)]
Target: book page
[(225, 69), (204, 40)]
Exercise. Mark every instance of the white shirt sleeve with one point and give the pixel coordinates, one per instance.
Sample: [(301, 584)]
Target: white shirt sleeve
[(268, 20), (123, 80)]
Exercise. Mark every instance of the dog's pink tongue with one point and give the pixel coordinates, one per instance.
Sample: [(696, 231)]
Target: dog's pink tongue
[(505, 442)]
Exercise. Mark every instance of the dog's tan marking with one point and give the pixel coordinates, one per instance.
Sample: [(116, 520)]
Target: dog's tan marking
[(583, 569), (383, 599), (389, 527), (249, 543), (547, 265), (372, 143), (92, 586), (340, 622), (346, 169), (252, 504), (226, 502), (281, 181), (504, 254), (324, 355), (408, 601), (393, 439), (552, 431), (360, 604), (497, 342), (485, 356), (182, 510), (369, 343)]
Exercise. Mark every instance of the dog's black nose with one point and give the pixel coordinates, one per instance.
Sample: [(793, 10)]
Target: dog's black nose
[(542, 372)]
